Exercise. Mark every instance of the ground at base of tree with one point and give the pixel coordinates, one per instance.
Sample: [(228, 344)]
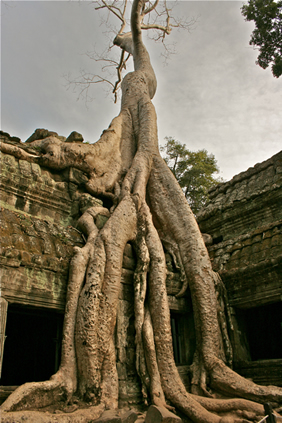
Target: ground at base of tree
[(154, 414)]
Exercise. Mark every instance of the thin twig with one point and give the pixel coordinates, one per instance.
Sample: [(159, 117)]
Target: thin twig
[(262, 420)]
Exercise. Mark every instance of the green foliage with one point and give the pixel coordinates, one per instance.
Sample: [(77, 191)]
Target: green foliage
[(193, 170), (267, 35)]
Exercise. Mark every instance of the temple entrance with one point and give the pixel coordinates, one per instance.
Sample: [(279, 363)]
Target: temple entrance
[(32, 345), (264, 331), (183, 337)]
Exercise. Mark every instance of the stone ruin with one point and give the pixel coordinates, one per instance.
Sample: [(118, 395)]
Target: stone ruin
[(244, 218), (39, 208)]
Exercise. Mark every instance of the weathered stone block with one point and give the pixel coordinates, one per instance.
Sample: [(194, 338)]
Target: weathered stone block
[(101, 220), (11, 262), (128, 263), (37, 259), (26, 258), (278, 169), (48, 247), (3, 260), (121, 369), (35, 244), (276, 240), (62, 186), (126, 292), (127, 276), (128, 251), (178, 304), (184, 373), (77, 176), (256, 248), (173, 283), (109, 416), (25, 168), (10, 160), (224, 259), (266, 243), (75, 137), (160, 414), (129, 417), (11, 252), (246, 252), (36, 169)]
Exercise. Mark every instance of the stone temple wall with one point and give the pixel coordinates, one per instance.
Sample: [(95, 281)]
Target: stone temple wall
[(244, 218)]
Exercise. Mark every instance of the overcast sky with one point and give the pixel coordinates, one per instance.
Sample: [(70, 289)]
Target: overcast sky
[(210, 95)]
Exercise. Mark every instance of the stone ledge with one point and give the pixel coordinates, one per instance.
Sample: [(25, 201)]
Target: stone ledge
[(263, 372), (161, 415), (254, 285), (237, 217), (252, 248), (252, 171)]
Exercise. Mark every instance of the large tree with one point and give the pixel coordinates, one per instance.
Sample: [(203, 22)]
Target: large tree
[(267, 35), (150, 210)]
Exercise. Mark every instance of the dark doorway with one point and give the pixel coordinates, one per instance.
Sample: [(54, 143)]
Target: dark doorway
[(183, 337), (32, 346), (264, 331)]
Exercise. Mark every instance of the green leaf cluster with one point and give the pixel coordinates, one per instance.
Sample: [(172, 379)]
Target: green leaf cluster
[(194, 171), (267, 35)]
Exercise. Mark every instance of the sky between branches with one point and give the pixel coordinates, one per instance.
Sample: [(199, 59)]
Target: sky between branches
[(210, 94)]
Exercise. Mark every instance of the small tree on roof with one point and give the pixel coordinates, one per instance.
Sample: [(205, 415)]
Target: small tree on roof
[(194, 171)]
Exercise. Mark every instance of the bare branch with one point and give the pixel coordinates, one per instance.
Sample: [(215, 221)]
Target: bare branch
[(117, 11), (121, 66), (164, 29), (151, 8), (84, 83), (156, 18), (112, 9)]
